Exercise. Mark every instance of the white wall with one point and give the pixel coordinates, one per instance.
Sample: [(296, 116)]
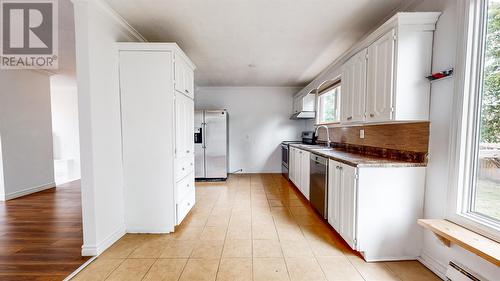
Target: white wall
[(434, 254), (258, 123), (25, 129), (97, 30), (64, 104)]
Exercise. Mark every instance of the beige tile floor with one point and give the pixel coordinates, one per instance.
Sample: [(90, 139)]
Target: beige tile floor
[(253, 227)]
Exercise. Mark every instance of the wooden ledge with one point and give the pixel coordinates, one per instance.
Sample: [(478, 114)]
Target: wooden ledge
[(448, 233)]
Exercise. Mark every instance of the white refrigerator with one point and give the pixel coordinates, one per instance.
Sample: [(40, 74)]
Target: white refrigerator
[(210, 144)]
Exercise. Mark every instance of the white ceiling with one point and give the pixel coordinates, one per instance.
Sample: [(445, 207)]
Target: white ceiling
[(256, 42)]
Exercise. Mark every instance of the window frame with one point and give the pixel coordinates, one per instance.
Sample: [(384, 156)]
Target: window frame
[(472, 18), (336, 84)]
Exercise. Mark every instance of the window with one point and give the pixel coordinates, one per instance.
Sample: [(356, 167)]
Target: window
[(475, 182), (329, 105), (485, 197)]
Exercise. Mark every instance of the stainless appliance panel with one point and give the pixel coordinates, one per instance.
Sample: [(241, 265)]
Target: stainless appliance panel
[(284, 160), (319, 184), (199, 145), (215, 144)]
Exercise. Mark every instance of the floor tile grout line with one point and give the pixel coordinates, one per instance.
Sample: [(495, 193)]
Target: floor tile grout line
[(279, 240), (149, 268), (307, 242), (114, 269), (251, 225)]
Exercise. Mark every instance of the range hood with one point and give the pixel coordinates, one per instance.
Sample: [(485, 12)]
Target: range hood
[(303, 107), (304, 115)]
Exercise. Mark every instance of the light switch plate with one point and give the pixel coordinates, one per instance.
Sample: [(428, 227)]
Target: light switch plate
[(361, 134)]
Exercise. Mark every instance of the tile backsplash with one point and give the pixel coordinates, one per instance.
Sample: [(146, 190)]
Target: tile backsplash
[(403, 137)]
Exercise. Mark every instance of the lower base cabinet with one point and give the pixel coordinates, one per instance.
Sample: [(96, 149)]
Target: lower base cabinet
[(184, 188), (299, 169), (375, 209)]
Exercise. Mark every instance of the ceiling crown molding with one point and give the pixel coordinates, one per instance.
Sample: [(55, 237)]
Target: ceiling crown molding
[(116, 17)]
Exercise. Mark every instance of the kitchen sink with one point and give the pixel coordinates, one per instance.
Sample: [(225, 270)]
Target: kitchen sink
[(316, 147)]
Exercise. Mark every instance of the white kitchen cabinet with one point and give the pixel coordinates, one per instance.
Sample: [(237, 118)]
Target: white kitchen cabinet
[(298, 168), (348, 204), (184, 118), (304, 103), (334, 183), (354, 88), (379, 106), (375, 209), (157, 137), (392, 75), (184, 77), (342, 205), (305, 158)]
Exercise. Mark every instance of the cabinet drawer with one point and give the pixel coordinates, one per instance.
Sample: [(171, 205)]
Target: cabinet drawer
[(185, 206), (184, 186), (183, 167)]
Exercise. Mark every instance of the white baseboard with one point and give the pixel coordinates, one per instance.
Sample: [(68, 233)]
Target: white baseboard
[(95, 250), (390, 258), (149, 231), (433, 264), (28, 191)]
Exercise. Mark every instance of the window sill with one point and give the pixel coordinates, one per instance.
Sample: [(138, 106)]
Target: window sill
[(448, 233)]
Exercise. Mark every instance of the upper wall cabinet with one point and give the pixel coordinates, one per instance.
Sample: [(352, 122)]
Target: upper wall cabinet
[(304, 107), (354, 88), (385, 80), (184, 77)]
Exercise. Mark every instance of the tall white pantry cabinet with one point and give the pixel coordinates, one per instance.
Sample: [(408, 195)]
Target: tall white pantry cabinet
[(157, 111)]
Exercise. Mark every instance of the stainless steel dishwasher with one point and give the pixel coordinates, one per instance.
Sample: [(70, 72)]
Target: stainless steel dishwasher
[(319, 184)]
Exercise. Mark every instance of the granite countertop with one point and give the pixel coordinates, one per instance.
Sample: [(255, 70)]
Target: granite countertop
[(356, 159)]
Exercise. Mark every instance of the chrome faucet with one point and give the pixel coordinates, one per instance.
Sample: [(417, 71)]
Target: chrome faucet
[(328, 141)]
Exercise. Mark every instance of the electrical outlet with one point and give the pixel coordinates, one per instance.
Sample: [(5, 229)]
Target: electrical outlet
[(361, 134)]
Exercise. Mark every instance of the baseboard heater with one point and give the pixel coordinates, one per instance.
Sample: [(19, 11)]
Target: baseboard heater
[(456, 272)]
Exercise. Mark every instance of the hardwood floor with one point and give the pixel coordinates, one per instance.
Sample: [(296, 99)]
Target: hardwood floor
[(41, 235)]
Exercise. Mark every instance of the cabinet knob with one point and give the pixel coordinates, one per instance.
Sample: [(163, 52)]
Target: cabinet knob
[(191, 164), (189, 204), (187, 92), (349, 118), (372, 115), (183, 168), (187, 151), (187, 185)]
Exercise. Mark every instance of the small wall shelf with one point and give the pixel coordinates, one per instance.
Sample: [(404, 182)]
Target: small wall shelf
[(438, 76), (448, 233)]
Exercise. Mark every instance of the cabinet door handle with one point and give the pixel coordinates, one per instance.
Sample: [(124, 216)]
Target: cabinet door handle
[(187, 92), (372, 115), (349, 118)]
